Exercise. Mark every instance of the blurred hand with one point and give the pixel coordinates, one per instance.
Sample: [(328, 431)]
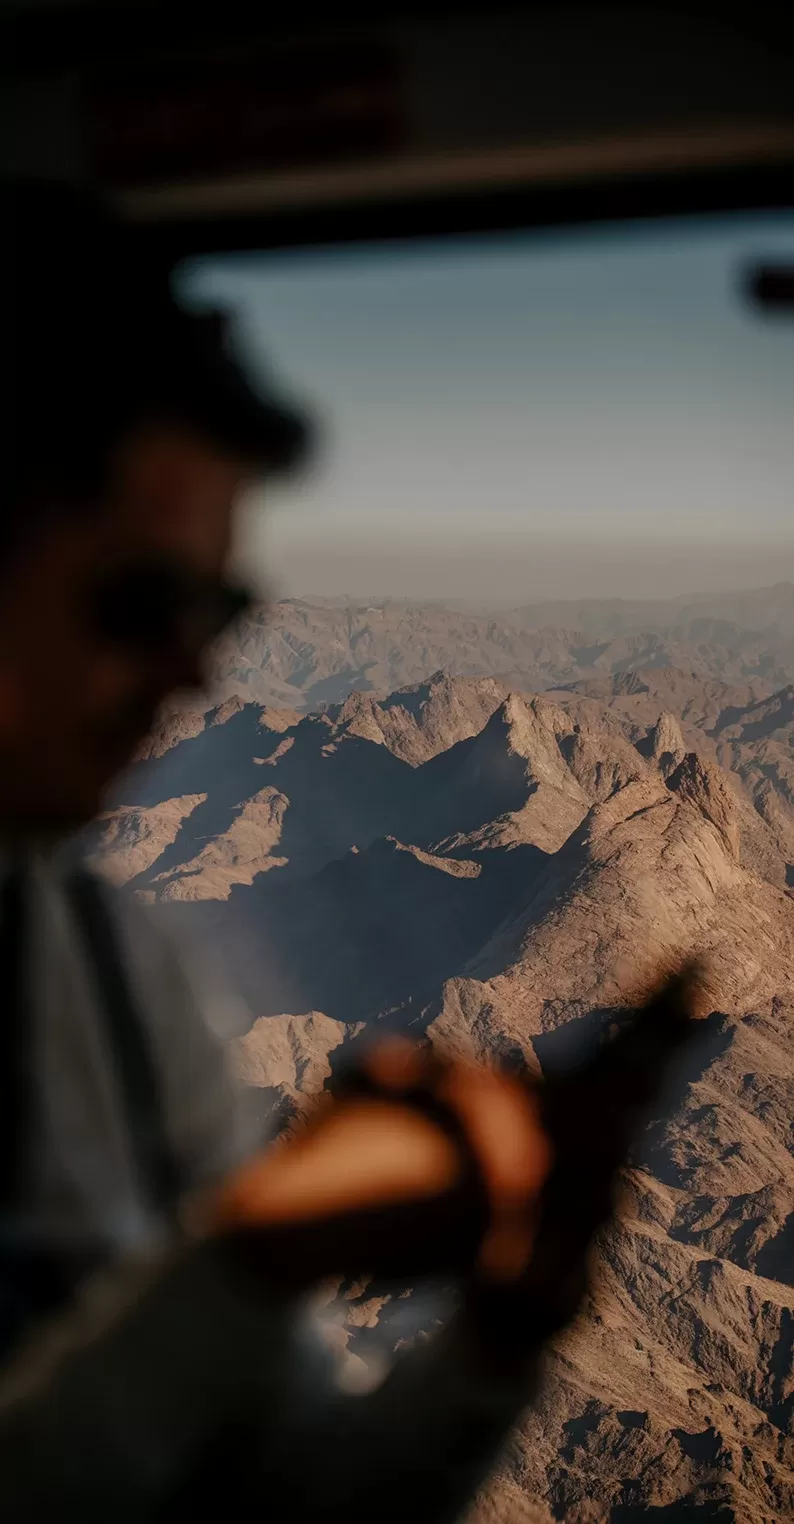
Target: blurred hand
[(372, 1151), (432, 1167)]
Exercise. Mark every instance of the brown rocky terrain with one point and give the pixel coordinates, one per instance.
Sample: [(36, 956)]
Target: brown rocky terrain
[(308, 653), (490, 869)]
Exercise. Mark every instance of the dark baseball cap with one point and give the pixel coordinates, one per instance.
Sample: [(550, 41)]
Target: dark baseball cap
[(95, 342)]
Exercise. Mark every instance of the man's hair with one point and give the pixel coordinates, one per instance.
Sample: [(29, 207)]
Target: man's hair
[(94, 343)]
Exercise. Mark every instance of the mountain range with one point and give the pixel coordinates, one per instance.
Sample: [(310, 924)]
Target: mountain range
[(491, 865), (305, 654)]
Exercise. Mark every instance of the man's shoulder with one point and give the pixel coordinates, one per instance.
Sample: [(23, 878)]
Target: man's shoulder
[(179, 976), (184, 1002)]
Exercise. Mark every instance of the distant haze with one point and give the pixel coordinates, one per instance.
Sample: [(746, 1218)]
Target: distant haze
[(508, 568)]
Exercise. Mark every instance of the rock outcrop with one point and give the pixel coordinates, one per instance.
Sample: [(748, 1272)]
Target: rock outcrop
[(665, 743)]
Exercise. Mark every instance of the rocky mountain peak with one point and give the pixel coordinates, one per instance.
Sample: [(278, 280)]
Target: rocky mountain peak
[(525, 728), (700, 784), (359, 716), (516, 716), (522, 738), (665, 742)]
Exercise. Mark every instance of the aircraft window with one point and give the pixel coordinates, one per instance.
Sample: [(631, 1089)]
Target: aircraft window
[(517, 728)]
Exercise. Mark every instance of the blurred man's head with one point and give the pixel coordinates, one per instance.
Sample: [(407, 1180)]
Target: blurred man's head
[(130, 435)]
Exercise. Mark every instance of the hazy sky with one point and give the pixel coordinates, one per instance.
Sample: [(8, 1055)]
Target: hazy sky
[(529, 414)]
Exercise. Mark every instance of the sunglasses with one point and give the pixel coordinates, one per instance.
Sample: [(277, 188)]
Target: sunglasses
[(152, 606)]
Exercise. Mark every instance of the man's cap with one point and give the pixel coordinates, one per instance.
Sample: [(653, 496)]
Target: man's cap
[(94, 341)]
